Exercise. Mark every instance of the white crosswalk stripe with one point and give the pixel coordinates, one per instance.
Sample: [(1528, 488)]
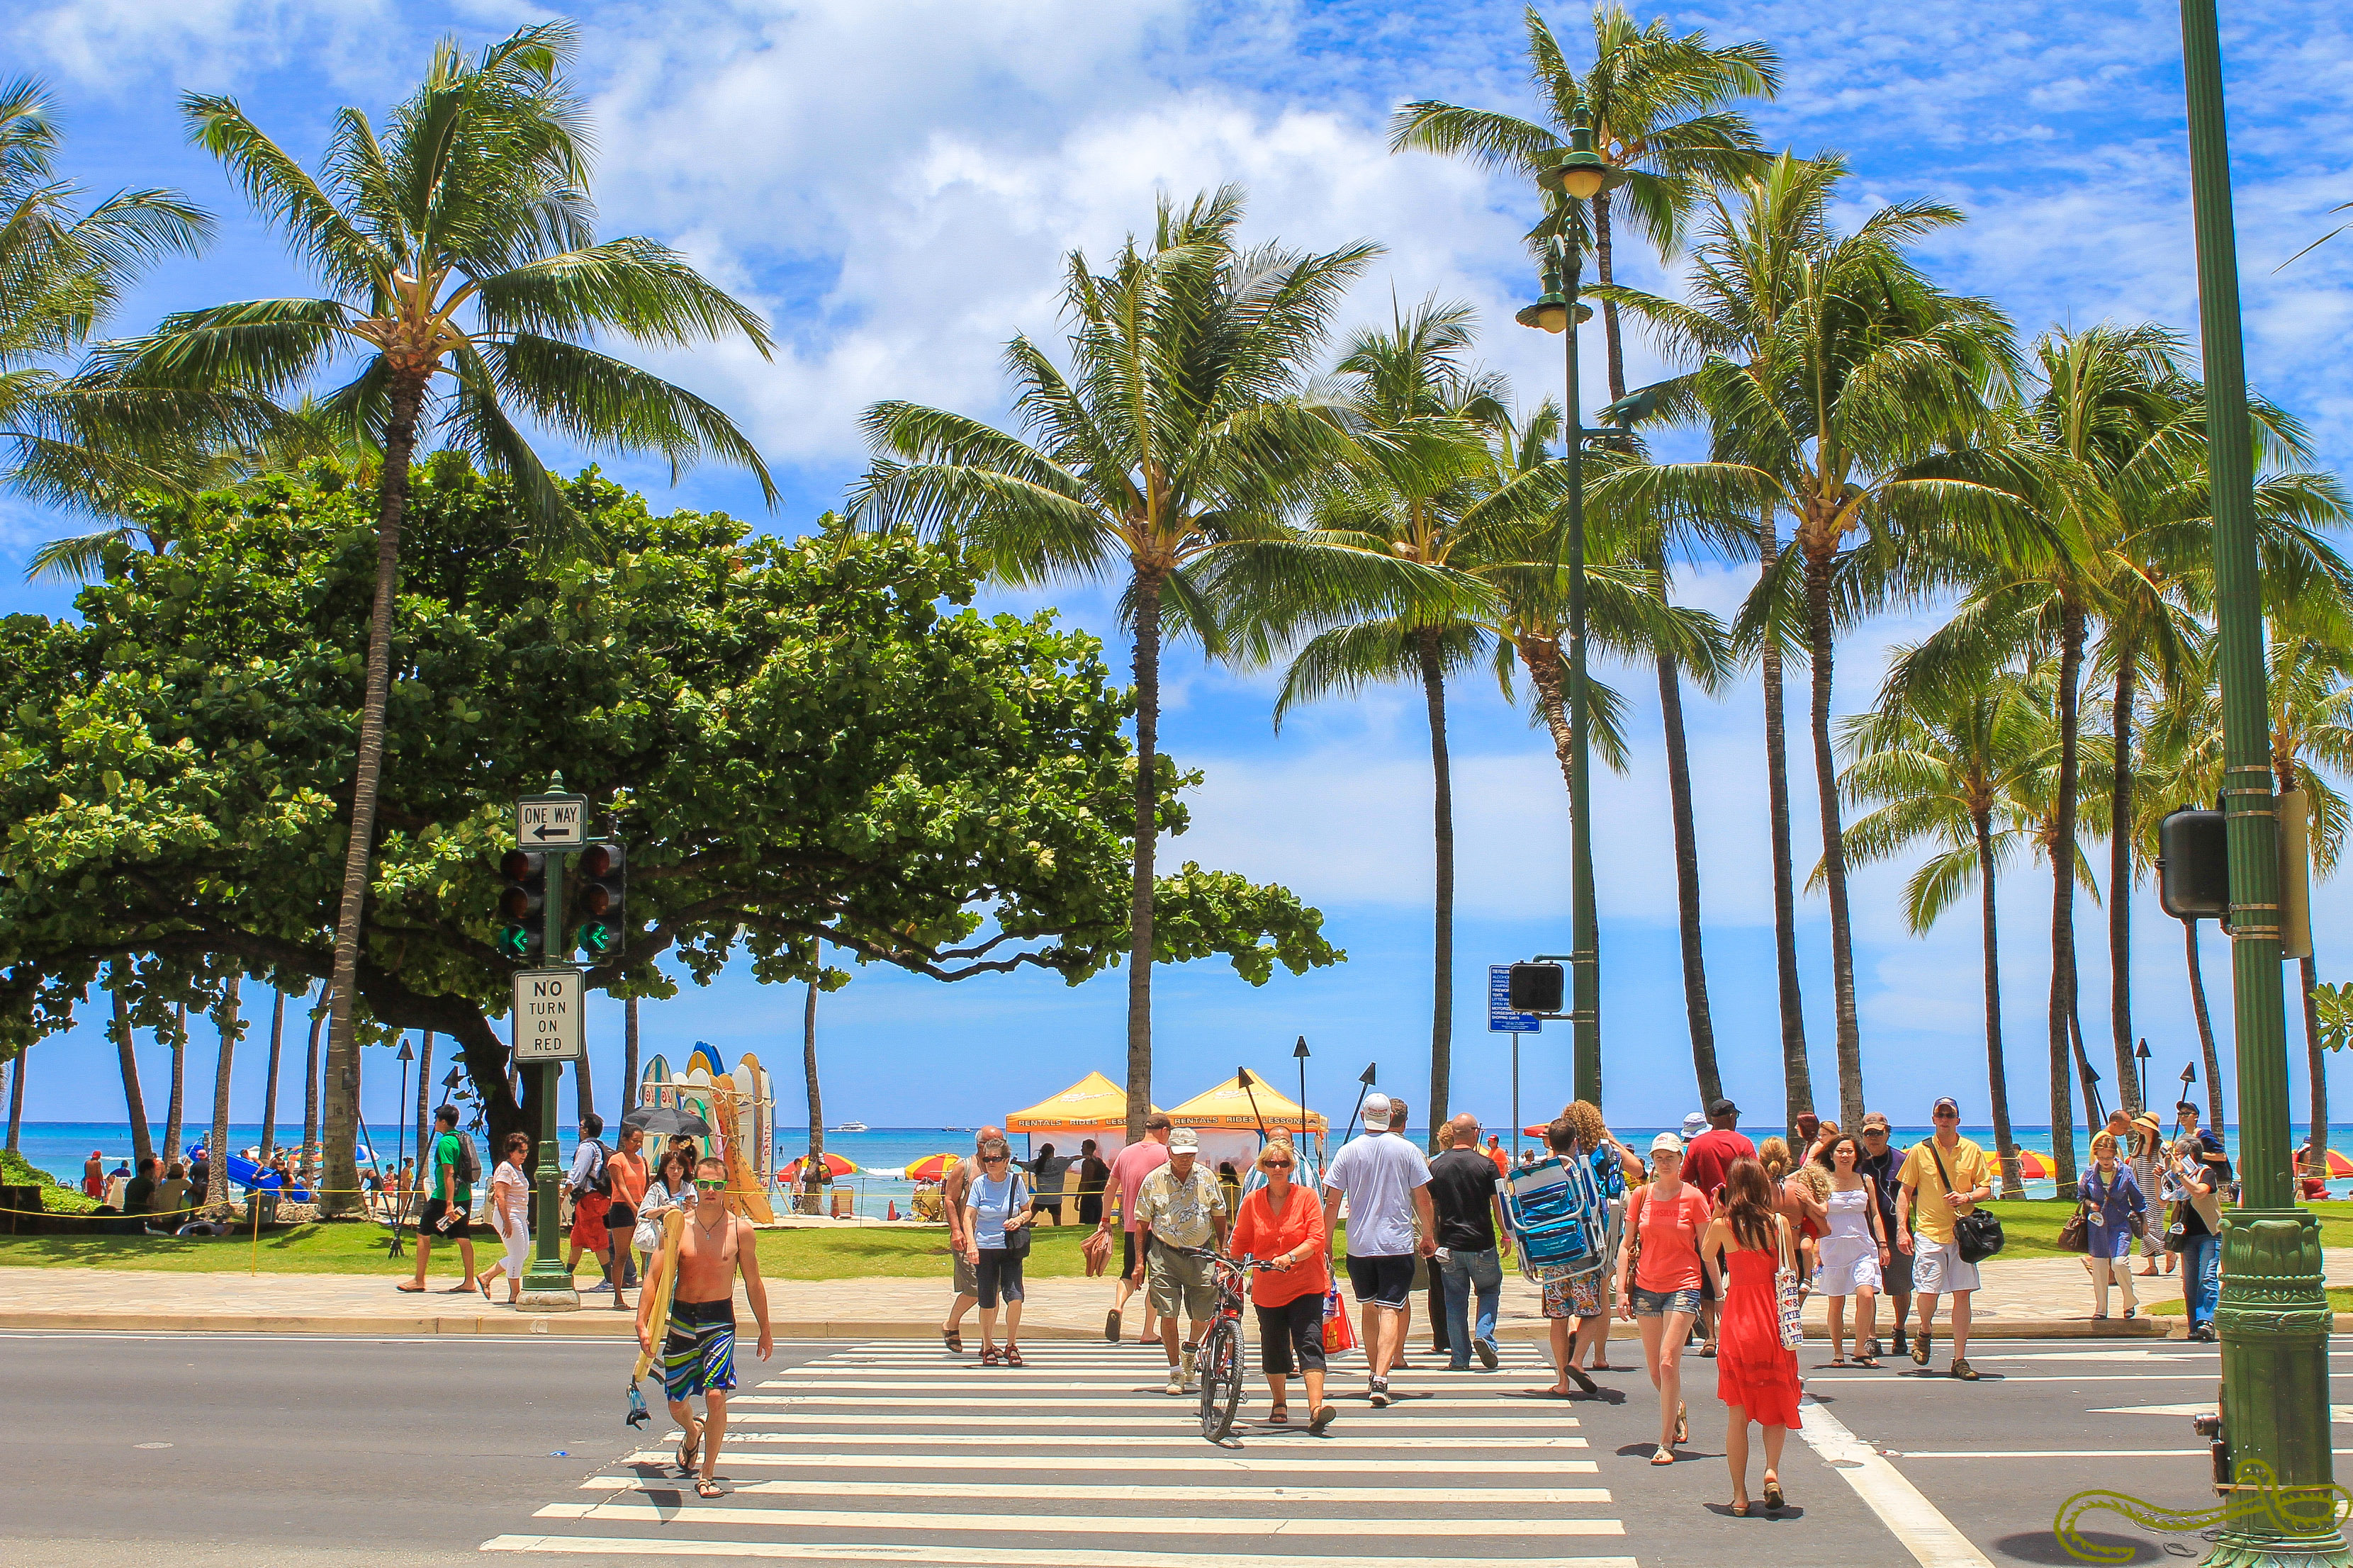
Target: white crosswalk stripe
[(909, 1457)]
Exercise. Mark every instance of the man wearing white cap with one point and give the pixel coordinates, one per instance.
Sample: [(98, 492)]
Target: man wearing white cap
[(1179, 1209), (1386, 1182)]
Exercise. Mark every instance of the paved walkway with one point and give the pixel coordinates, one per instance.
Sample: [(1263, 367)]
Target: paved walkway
[(2034, 1296)]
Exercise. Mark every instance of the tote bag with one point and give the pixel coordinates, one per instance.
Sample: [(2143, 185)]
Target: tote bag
[(1785, 1289), (1339, 1334)]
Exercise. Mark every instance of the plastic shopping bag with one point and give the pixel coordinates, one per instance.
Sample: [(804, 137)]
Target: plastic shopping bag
[(1339, 1333)]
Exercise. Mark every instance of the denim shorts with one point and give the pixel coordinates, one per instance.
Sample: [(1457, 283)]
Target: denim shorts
[(1659, 1304)]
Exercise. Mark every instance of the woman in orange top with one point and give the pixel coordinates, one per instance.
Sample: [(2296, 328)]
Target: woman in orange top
[(1282, 1226)]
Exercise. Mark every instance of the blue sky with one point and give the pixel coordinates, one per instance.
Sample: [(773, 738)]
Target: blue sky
[(894, 181)]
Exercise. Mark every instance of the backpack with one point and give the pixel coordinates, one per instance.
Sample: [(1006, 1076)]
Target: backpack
[(600, 1179), (468, 1167), (1558, 1215)]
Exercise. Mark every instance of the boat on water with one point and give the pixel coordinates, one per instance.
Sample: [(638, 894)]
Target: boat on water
[(851, 1127)]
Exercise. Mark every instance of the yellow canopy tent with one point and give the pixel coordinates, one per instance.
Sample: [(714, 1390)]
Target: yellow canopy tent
[(1094, 1107), (1228, 1125)]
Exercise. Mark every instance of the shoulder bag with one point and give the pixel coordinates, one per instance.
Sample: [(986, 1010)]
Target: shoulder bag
[(1017, 1240), (1785, 1289), (2075, 1235), (1978, 1234)]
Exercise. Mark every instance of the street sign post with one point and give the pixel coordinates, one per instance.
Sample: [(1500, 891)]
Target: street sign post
[(547, 1009), (1502, 1020), (551, 821)]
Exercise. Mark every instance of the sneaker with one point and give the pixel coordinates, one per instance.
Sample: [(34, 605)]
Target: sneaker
[(600, 1284), (1186, 1361), (1920, 1349), (1964, 1371), (1176, 1381), (1486, 1349), (1110, 1326), (1377, 1389)]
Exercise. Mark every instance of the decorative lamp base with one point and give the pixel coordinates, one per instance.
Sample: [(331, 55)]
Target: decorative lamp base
[(559, 1299)]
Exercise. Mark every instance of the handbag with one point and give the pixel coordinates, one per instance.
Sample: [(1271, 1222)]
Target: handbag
[(1339, 1333), (1978, 1234), (2073, 1236), (1017, 1240), (1785, 1289), (1096, 1250)]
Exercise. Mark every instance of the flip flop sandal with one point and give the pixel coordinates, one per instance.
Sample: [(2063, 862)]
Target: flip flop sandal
[(1865, 1361), (410, 1289), (1682, 1424), (1322, 1419), (458, 1290), (1740, 1509), (1774, 1501), (709, 1487), (952, 1339), (1013, 1356), (1838, 1361), (688, 1444), (1661, 1456)]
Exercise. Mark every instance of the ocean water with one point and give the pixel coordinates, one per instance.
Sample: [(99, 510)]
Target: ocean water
[(881, 1155)]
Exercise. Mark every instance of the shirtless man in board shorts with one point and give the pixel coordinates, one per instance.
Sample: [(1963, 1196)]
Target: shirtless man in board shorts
[(698, 1355)]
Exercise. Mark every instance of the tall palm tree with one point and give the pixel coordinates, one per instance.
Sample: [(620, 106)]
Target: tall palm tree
[(461, 268), (1845, 389), (16, 1096), (269, 1088), (231, 1024), (812, 1172), (175, 1105), (143, 1138), (1182, 432), (1944, 770), (1658, 106)]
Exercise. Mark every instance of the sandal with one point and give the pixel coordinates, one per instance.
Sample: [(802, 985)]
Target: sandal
[(706, 1486), (1662, 1456), (1280, 1415), (1682, 1423), (1013, 1355), (991, 1356), (1774, 1501), (1867, 1361), (1321, 1420), (1740, 1509), (410, 1289), (689, 1442), (1838, 1361), (952, 1339)]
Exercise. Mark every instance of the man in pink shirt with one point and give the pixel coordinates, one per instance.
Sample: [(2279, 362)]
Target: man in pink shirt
[(1128, 1169)]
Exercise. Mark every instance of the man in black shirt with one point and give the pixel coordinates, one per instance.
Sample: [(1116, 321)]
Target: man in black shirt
[(1882, 1159), (140, 1195), (1466, 1210)]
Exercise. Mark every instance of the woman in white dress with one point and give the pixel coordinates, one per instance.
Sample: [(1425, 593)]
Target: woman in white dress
[(511, 1216), (1854, 1250)]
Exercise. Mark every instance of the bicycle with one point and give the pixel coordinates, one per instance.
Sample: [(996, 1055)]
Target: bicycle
[(1220, 1360)]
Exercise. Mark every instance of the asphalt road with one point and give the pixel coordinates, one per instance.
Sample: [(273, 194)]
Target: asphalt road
[(298, 1450)]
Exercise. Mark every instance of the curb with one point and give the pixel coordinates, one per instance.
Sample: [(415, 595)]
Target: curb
[(604, 1323)]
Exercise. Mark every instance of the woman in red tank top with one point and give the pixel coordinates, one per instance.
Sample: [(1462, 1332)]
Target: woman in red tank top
[(1756, 1375)]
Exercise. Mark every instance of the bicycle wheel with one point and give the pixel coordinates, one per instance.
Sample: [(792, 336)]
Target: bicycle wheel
[(1221, 1378)]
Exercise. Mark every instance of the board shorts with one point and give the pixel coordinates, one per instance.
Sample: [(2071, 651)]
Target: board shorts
[(1567, 1295), (1180, 1281), (1384, 1279), (588, 1221), (699, 1352), (428, 1222), (1937, 1268), (967, 1283)]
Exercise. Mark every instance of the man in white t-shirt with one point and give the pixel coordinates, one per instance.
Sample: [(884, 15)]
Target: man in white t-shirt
[(1386, 1182)]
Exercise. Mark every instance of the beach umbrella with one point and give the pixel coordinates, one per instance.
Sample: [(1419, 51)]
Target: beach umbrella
[(2034, 1167), (2339, 1167), (931, 1169), (835, 1165), (667, 1118)]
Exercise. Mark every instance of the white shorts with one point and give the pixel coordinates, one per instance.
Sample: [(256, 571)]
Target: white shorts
[(1848, 1266), (1937, 1268)]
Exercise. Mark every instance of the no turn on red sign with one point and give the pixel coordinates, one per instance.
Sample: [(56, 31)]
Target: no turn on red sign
[(548, 1014)]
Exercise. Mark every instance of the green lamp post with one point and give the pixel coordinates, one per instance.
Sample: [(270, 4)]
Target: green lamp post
[(1579, 175), (2274, 1316)]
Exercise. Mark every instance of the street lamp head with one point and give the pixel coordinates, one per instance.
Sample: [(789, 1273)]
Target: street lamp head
[(1300, 1050), (1581, 173)]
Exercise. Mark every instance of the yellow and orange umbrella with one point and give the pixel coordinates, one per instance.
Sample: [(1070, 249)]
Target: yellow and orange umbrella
[(835, 1165), (932, 1168), (2034, 1167)]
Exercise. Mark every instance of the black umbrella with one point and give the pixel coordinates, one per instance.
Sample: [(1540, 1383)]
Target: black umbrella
[(667, 1118)]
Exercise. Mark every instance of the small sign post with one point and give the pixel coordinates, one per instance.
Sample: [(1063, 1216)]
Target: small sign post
[(552, 821), (1502, 1020)]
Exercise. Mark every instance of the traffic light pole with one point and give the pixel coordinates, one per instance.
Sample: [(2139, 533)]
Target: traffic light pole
[(2274, 1317), (1585, 931), (546, 1283)]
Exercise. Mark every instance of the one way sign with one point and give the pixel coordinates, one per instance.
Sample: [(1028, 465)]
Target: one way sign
[(551, 821)]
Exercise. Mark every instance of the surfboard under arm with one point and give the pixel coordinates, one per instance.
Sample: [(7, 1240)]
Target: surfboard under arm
[(673, 1232)]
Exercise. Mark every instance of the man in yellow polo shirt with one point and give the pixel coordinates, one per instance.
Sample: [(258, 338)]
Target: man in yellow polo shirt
[(1946, 1175)]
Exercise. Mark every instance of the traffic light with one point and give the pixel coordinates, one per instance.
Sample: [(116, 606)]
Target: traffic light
[(1537, 988), (599, 913), (523, 904), (2193, 866)]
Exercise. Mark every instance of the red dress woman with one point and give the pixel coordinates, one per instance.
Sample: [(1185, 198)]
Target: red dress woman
[(1756, 1375)]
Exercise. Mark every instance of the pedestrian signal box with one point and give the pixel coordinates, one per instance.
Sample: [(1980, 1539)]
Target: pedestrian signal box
[(2193, 866), (1537, 988)]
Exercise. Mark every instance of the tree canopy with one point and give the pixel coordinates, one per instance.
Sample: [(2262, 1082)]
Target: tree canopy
[(795, 740)]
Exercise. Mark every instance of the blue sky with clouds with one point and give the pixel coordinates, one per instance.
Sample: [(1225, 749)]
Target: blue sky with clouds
[(894, 181)]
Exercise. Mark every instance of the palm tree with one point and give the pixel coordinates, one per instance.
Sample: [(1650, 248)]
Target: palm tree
[(1941, 770), (270, 1088), (1845, 389), (460, 246), (1657, 102), (16, 1096), (812, 1172), (143, 1140), (71, 442), (1182, 432), (231, 1024), (175, 1105)]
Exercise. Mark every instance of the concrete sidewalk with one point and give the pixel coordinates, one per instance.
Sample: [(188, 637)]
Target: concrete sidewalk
[(2022, 1297)]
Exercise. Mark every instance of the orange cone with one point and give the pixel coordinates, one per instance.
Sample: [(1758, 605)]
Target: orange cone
[(894, 1210)]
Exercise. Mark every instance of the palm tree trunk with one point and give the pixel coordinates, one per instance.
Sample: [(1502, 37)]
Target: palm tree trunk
[(2062, 904), (1547, 671), (343, 1086), (2314, 1061), (2120, 877), (1441, 957), (142, 1142), (1997, 1071), (423, 1109), (1797, 1071), (583, 1091), (1603, 268), (1679, 797), (175, 1108), (311, 1161), (812, 1172), (1147, 827), (630, 1056), (269, 1088), (2205, 1026), (217, 1144), (17, 1097), (1826, 788)]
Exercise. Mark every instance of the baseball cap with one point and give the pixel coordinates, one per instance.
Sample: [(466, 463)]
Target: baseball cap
[(1716, 1108), (1695, 1124), (1666, 1143), (1947, 1102), (1184, 1141), (1376, 1109)]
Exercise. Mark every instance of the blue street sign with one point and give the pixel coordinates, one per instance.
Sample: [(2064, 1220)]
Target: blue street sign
[(1500, 1019)]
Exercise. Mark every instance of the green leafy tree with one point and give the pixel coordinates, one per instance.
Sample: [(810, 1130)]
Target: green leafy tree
[(800, 741), (463, 276), (1182, 432)]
